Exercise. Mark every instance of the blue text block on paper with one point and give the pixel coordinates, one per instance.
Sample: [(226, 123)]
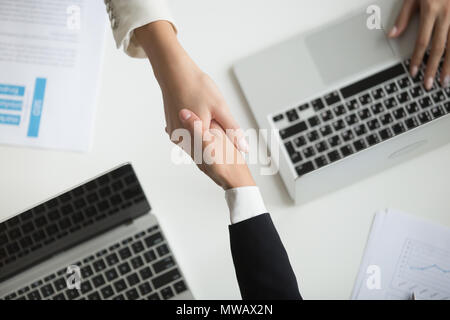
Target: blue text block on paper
[(14, 105), (36, 107), (10, 119), (12, 90)]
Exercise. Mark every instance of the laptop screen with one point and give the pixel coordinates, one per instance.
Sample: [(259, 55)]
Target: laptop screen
[(69, 219)]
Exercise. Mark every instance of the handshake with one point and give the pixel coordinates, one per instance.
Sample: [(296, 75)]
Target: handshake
[(214, 152)]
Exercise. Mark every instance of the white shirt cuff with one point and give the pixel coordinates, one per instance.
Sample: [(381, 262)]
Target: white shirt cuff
[(244, 203), (127, 15)]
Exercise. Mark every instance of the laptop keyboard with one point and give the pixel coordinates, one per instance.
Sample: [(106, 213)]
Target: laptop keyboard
[(361, 115), (70, 218), (138, 267)]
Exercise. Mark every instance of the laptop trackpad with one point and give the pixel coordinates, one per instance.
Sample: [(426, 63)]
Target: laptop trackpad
[(347, 48)]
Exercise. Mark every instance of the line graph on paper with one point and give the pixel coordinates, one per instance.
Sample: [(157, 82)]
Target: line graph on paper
[(423, 269)]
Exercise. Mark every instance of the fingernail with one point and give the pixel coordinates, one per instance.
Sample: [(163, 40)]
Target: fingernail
[(243, 145), (446, 83), (185, 115), (414, 71), (429, 83), (393, 32)]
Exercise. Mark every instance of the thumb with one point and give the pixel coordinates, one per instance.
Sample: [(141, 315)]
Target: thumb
[(188, 120), (409, 7)]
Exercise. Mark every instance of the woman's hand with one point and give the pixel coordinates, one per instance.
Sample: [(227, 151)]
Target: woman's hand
[(434, 29), (217, 158), (182, 82)]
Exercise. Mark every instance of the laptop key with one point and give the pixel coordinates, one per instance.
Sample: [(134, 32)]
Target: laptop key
[(112, 259), (321, 161), (162, 250), (304, 168), (166, 278), (293, 130), (145, 288), (300, 141), (425, 102), (424, 117), (145, 273), (124, 253), (60, 284), (314, 121), (437, 112), (34, 295), (317, 104), (352, 105), (398, 128), (312, 136), (107, 292), (180, 286), (292, 115), (359, 145), (120, 285), (59, 296), (321, 146), (47, 290), (346, 150), (94, 296), (111, 274), (385, 134), (163, 264), (98, 281), (133, 279), (372, 139), (411, 123), (278, 118), (351, 119), (132, 294), (332, 98), (85, 286), (153, 239), (334, 156), (412, 108), (99, 265), (72, 294), (149, 256), (137, 262), (167, 293), (154, 296), (124, 268)]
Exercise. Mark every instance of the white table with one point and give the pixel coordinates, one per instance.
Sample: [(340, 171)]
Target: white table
[(325, 238)]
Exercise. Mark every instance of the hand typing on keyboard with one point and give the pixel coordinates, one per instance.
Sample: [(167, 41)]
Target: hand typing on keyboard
[(221, 161), (434, 31)]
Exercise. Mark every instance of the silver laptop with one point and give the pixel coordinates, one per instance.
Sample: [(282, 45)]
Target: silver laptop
[(96, 241), (343, 102)]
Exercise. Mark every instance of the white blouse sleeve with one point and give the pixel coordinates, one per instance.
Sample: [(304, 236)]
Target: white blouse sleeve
[(127, 15)]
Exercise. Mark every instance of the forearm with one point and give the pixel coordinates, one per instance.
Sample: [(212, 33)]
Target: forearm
[(166, 55)]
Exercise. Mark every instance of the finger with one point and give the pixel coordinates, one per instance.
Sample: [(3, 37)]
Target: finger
[(445, 74), (409, 7), (437, 51), (232, 129), (188, 120), (427, 20)]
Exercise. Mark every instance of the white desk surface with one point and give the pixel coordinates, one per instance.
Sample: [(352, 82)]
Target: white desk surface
[(325, 239)]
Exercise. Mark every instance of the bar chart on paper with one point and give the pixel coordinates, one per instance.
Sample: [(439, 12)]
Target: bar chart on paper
[(424, 270), (412, 256)]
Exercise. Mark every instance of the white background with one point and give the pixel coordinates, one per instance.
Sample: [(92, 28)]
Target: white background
[(325, 239)]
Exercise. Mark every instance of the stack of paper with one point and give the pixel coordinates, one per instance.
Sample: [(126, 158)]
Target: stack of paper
[(405, 255), (50, 56)]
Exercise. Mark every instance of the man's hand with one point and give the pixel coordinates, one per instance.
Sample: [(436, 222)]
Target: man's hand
[(434, 29), (219, 160), (182, 82)]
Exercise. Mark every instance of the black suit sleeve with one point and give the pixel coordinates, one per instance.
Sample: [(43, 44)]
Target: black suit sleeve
[(262, 265)]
